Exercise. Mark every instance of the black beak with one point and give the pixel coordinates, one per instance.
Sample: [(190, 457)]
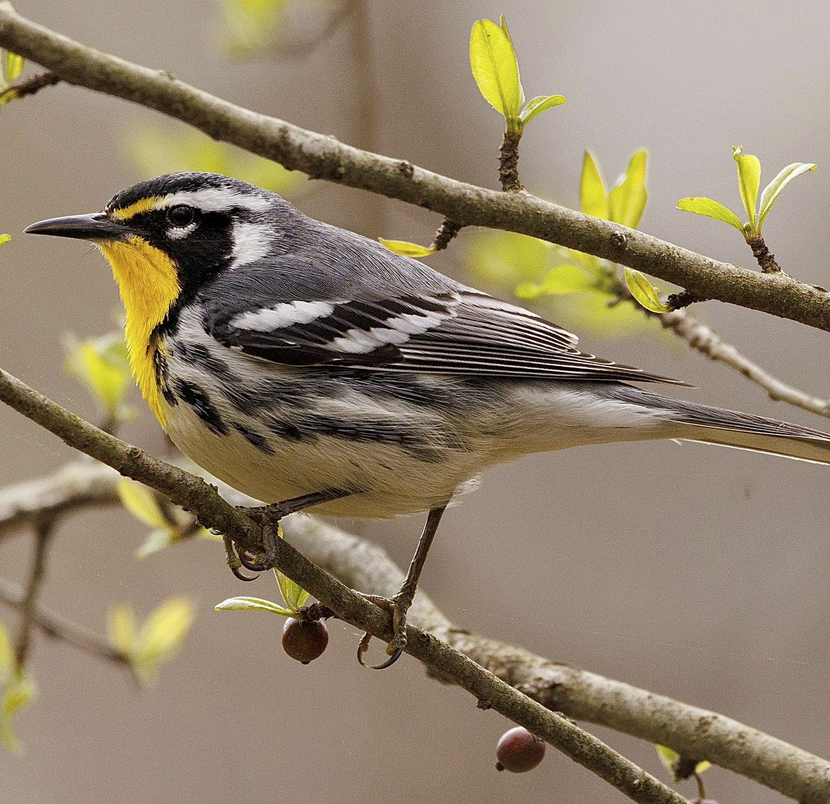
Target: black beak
[(95, 226)]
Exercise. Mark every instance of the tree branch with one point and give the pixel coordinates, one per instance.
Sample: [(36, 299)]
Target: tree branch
[(325, 158), (196, 495), (577, 693)]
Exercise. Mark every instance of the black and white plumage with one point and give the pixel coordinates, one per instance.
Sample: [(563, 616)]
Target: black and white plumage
[(295, 356)]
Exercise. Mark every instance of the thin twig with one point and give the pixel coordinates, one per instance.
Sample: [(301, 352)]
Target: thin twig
[(766, 259), (203, 500), (509, 161), (324, 157), (575, 692), (445, 234), (44, 529), (30, 86), (57, 627)]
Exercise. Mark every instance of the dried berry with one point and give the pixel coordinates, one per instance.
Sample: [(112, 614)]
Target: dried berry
[(519, 751), (304, 640)]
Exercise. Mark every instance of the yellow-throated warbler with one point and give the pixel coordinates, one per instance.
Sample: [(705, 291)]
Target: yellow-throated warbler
[(293, 359)]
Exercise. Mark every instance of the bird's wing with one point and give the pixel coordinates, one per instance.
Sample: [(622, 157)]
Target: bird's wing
[(455, 332)]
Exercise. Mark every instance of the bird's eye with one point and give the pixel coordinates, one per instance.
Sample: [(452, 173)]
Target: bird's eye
[(181, 215)]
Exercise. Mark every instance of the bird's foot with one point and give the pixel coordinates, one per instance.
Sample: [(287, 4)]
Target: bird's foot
[(398, 606)]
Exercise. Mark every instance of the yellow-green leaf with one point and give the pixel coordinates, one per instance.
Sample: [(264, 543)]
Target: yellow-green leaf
[(627, 199), (14, 66), (749, 180), (250, 25), (18, 693), (122, 628), (495, 68), (541, 103), (406, 248), (142, 503), (8, 660), (565, 278), (102, 365), (593, 197), (160, 636), (644, 292), (157, 540), (711, 209), (4, 238), (668, 756), (774, 188), (252, 604)]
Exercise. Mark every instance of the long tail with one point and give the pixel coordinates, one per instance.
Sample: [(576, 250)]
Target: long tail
[(731, 428)]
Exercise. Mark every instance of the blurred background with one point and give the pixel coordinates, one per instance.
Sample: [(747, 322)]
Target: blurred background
[(696, 572)]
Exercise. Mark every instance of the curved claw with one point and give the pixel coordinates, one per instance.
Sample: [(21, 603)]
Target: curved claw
[(363, 646), (242, 577), (253, 566)]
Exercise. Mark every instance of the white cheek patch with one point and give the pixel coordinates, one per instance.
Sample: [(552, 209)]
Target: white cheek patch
[(282, 315), (216, 199), (251, 242)]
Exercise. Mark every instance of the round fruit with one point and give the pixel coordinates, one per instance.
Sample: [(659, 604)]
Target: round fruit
[(519, 751), (304, 640)]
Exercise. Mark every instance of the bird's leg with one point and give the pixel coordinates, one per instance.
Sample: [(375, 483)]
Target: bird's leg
[(400, 602), (268, 517)]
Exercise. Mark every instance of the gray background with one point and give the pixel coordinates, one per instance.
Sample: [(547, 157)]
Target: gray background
[(695, 572)]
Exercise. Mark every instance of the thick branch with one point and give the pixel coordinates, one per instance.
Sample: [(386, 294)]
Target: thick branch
[(577, 693), (325, 158), (203, 500)]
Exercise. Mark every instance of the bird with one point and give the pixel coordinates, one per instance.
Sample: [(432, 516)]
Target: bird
[(312, 368)]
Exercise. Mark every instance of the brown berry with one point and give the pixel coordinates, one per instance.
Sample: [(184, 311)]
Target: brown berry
[(304, 640), (519, 751)]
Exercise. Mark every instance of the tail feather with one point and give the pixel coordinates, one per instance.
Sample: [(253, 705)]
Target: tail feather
[(730, 428)]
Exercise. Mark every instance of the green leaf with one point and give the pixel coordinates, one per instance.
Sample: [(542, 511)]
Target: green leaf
[(668, 756), (142, 503), (157, 540), (252, 604), (627, 199), (102, 365), (711, 209), (593, 197), (122, 628), (565, 278), (644, 292), (17, 694), (8, 659), (4, 238), (749, 180), (541, 103), (406, 248), (160, 636), (293, 594), (774, 188), (14, 66), (495, 68)]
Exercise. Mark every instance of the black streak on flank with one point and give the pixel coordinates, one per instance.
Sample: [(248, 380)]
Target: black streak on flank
[(256, 439), (160, 366), (199, 401)]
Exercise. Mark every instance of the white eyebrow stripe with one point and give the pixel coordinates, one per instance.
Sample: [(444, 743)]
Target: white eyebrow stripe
[(215, 199), (282, 315)]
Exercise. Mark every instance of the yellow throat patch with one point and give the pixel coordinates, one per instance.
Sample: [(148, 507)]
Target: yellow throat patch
[(149, 284)]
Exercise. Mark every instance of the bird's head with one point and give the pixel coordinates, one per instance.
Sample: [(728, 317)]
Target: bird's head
[(166, 237)]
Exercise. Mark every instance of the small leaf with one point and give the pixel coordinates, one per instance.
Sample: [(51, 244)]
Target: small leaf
[(668, 756), (774, 188), (102, 365), (160, 636), (644, 292), (406, 248), (541, 103), (749, 180), (142, 503), (495, 68), (8, 660), (156, 540), (14, 66), (293, 594), (4, 238), (252, 604), (18, 693), (627, 199), (703, 766), (711, 209), (122, 629), (593, 197)]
